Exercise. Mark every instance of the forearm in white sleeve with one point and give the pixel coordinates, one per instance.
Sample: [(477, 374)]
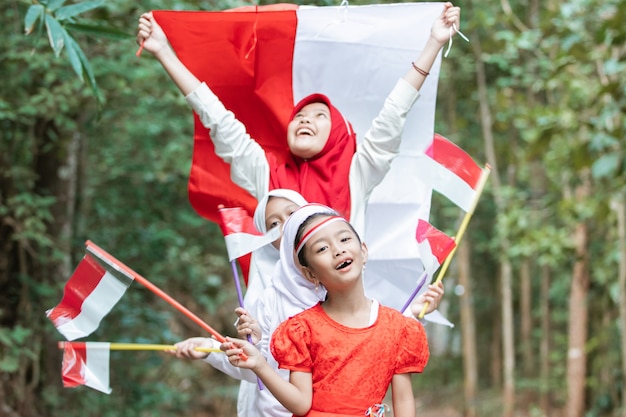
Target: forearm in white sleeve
[(248, 164)]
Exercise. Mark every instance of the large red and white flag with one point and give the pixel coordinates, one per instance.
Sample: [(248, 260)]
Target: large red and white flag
[(434, 246), (262, 60), (449, 170), (94, 288), (241, 235), (86, 363)]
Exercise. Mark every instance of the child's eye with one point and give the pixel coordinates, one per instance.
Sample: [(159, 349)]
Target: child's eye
[(345, 239), (321, 249), (274, 224)]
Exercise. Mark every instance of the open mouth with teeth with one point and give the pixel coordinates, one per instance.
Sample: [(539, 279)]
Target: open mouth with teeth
[(305, 131), (344, 264)]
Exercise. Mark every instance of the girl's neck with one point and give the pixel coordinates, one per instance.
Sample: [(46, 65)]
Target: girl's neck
[(350, 311)]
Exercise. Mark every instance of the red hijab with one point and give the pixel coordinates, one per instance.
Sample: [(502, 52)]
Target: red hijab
[(324, 178)]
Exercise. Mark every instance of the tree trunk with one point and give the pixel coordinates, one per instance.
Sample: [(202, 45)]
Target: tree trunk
[(468, 330), (43, 260), (578, 314), (526, 340), (506, 270), (508, 348), (619, 206), (544, 372), (528, 360)]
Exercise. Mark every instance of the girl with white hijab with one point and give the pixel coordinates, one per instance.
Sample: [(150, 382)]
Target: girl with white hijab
[(272, 211)]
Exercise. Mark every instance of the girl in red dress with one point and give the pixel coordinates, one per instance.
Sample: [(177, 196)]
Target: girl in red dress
[(344, 352)]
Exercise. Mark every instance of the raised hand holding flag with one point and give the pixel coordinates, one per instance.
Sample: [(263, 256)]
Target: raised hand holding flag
[(434, 247)]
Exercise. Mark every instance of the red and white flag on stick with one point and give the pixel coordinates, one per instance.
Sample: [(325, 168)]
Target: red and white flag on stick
[(76, 293), (449, 170), (86, 363), (434, 246), (91, 292), (240, 234)]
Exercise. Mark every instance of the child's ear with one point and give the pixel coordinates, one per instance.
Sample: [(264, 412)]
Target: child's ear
[(364, 252), (308, 274)]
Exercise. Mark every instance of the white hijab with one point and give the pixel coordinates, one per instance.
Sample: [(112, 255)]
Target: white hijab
[(296, 292), (264, 259)]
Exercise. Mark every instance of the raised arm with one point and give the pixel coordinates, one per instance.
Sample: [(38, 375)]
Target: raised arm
[(249, 166), (153, 39), (439, 34)]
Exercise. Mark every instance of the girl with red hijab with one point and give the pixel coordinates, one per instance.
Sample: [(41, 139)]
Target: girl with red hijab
[(325, 164)]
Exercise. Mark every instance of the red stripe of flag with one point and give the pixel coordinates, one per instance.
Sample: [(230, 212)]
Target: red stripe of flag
[(74, 360), (83, 281), (455, 159), (242, 48)]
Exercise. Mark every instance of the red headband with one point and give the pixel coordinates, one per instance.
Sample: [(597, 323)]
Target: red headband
[(316, 228)]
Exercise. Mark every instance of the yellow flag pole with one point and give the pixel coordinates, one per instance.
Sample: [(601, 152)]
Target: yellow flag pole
[(480, 186), (141, 346)]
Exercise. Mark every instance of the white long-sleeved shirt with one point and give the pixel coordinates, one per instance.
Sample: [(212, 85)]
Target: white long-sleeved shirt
[(250, 169)]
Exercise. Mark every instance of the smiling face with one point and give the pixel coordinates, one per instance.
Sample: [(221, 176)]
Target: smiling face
[(333, 254), (277, 211), (309, 130)]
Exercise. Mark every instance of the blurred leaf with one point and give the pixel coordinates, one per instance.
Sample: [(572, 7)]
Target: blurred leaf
[(75, 9), (34, 13), (53, 5), (605, 166), (102, 31), (56, 34), (73, 55)]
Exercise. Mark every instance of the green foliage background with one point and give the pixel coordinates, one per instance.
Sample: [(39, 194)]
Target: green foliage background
[(556, 88)]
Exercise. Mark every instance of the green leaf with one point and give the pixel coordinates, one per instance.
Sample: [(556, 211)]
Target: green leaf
[(72, 54), (87, 69), (34, 13), (9, 364), (76, 9), (605, 166), (55, 4), (103, 31), (55, 34)]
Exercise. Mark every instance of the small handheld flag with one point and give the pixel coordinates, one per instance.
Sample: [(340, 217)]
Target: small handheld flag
[(89, 295), (449, 170), (241, 238), (86, 363), (434, 246)]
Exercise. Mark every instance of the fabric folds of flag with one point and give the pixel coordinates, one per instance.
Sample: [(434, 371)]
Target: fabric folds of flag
[(241, 235), (95, 286), (434, 246), (86, 363), (449, 170), (262, 60)]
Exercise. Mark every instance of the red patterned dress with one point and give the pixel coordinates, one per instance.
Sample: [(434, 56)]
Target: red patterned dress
[(351, 368)]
